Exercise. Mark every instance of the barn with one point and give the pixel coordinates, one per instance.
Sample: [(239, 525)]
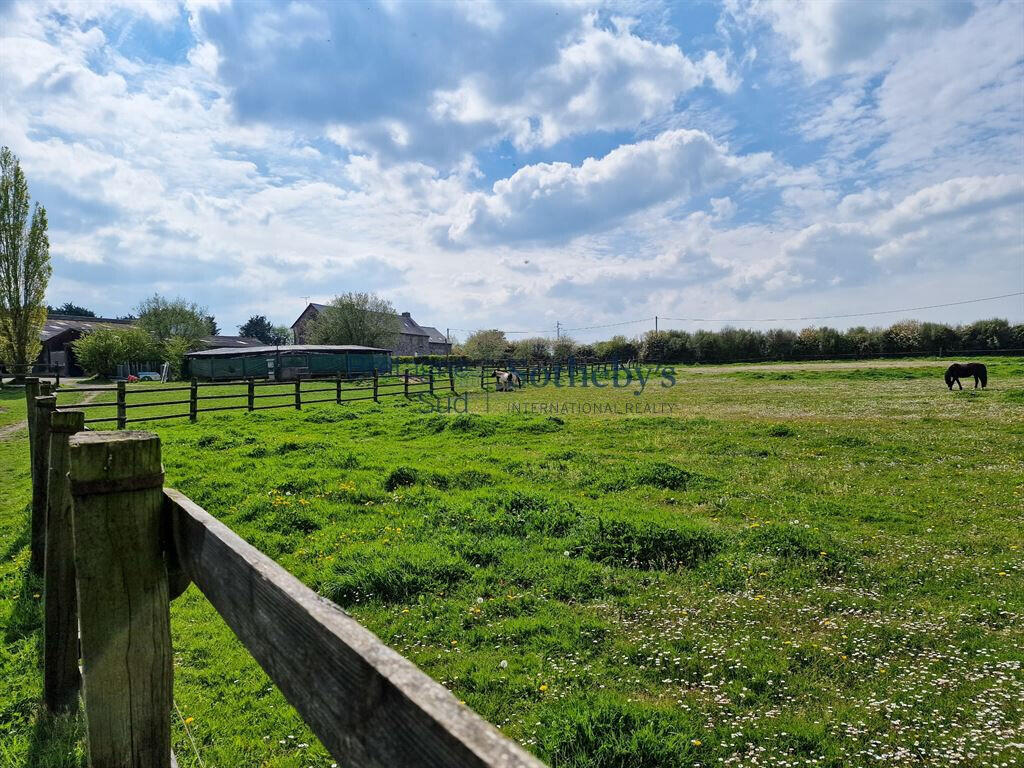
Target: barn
[(286, 363), (58, 334)]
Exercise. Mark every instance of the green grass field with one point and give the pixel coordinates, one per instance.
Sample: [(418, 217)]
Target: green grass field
[(813, 565)]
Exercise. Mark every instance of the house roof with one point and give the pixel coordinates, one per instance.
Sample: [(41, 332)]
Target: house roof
[(284, 348), (409, 326), (55, 325), (436, 337), (219, 342)]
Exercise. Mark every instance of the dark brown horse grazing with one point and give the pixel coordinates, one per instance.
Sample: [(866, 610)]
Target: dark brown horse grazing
[(956, 370)]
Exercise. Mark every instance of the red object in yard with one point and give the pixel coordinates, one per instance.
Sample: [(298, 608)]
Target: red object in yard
[(132, 379)]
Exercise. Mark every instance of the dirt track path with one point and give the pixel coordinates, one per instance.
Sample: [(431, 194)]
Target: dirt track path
[(12, 429)]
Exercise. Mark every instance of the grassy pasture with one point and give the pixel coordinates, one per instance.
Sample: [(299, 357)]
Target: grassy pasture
[(761, 565)]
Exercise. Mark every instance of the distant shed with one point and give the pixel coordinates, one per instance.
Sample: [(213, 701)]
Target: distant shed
[(288, 362)]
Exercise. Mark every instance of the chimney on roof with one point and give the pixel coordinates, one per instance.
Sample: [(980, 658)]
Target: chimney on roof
[(406, 314)]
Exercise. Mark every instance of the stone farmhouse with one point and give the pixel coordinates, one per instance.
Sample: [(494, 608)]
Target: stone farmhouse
[(413, 338)]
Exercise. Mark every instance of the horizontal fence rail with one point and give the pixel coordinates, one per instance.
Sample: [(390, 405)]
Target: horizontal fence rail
[(119, 547), (125, 401), (369, 705)]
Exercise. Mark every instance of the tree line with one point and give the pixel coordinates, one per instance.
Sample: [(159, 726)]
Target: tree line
[(739, 344)]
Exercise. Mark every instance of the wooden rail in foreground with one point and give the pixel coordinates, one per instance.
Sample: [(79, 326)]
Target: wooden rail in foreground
[(137, 545)]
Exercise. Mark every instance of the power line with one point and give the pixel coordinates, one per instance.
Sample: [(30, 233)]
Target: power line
[(469, 330), (610, 325), (837, 317)]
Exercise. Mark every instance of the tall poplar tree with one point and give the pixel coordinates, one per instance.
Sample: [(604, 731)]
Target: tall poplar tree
[(24, 267)]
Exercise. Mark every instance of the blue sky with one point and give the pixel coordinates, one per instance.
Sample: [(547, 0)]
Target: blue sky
[(517, 165)]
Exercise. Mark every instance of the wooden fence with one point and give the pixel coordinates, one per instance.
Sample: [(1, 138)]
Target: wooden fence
[(119, 547), (256, 397), (549, 373)]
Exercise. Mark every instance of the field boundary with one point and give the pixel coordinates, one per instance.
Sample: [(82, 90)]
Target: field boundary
[(296, 394)]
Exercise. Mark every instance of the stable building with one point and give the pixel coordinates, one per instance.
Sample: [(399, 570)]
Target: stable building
[(286, 363), (58, 333)]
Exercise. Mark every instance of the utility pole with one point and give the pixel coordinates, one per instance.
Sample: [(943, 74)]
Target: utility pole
[(655, 323), (558, 329)]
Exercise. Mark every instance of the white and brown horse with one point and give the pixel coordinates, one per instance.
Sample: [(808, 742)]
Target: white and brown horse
[(506, 381)]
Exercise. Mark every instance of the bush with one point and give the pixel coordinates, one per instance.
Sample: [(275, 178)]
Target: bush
[(175, 349), (101, 351)]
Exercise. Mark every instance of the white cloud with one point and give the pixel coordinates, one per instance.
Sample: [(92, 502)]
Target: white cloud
[(939, 96), (556, 201), (972, 220), (828, 37), (603, 79)]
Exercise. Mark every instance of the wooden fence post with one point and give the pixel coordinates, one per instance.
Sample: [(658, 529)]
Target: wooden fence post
[(406, 382), (193, 399), (31, 393), (117, 490), (481, 375), (337, 390), (451, 378), (61, 680), (430, 380), (298, 394), (375, 384), (252, 393), (42, 407), (122, 414)]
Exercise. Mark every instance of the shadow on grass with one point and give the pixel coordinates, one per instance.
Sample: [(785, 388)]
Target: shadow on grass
[(57, 741)]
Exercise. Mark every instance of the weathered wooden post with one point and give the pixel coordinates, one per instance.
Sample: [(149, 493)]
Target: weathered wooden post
[(337, 389), (122, 414), (406, 382), (116, 486), (430, 380), (61, 679), (252, 393), (451, 378), (481, 375), (31, 393), (375, 385), (193, 399), (41, 408), (298, 394)]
